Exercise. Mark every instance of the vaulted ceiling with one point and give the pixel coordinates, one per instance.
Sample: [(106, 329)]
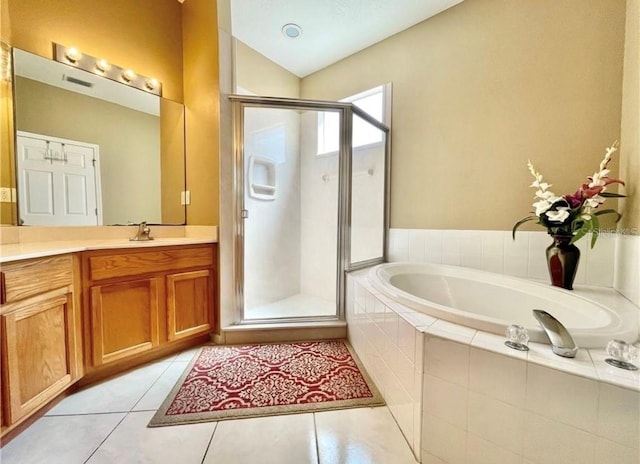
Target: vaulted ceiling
[(330, 29)]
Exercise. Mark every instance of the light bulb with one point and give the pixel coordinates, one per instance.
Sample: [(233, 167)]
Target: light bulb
[(102, 65), (128, 75), (152, 83), (73, 54)]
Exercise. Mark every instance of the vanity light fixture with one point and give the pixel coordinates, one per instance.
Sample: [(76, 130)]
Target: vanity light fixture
[(73, 57)]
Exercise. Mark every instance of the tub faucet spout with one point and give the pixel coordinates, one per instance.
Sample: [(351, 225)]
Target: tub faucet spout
[(562, 342)]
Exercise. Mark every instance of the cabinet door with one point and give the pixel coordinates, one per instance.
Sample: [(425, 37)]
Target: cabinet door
[(124, 319), (189, 303), (39, 355)]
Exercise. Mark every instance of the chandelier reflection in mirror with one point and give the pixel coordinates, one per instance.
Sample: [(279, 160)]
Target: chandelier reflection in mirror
[(100, 66)]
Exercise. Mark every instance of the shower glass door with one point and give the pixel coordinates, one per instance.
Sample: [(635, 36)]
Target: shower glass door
[(368, 192), (290, 160)]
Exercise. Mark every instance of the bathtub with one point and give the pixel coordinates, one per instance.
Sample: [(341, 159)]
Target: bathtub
[(491, 302)]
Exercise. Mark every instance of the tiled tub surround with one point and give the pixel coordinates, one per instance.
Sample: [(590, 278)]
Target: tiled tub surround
[(460, 396), (613, 262)]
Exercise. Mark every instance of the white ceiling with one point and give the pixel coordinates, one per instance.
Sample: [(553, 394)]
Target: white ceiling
[(331, 29)]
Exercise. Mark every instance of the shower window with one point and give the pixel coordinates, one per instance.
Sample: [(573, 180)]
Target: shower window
[(373, 102)]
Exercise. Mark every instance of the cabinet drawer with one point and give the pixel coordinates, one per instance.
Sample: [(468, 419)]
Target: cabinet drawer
[(24, 279), (135, 263)]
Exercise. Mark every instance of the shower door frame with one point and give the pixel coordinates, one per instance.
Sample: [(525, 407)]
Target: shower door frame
[(345, 153)]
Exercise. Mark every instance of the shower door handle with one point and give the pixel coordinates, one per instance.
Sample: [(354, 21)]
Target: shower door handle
[(244, 214)]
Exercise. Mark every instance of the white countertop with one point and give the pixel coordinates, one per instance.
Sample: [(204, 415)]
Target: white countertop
[(19, 251)]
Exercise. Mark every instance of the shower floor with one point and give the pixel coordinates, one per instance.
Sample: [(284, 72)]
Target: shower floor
[(300, 305)]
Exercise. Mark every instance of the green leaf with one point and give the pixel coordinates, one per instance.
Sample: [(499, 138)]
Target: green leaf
[(589, 225), (609, 211), (583, 230), (595, 229), (612, 195), (522, 221)]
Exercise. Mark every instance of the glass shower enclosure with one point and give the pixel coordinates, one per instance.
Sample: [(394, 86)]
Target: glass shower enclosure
[(311, 181)]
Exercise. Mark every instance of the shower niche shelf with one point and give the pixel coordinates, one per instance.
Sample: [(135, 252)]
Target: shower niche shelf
[(263, 179)]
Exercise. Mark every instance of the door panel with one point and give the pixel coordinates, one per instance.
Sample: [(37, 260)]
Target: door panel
[(75, 195), (40, 349), (189, 303), (38, 193), (124, 319)]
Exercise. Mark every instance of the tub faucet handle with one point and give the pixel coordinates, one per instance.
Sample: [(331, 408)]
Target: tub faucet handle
[(562, 342)]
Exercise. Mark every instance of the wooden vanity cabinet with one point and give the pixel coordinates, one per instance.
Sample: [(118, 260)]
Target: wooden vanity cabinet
[(41, 333), (142, 300)]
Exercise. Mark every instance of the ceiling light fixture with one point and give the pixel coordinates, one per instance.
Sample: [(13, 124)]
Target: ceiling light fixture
[(292, 30)]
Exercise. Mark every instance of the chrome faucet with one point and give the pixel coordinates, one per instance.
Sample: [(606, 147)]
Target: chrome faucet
[(562, 343), (143, 233)]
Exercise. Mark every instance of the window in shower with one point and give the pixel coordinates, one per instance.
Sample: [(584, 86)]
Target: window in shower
[(373, 102)]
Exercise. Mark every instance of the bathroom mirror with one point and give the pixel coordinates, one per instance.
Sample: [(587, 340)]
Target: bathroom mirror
[(92, 151)]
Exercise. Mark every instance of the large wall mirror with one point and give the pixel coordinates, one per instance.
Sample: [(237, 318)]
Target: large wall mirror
[(92, 151)]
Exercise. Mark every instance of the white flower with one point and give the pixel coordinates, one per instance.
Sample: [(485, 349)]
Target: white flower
[(541, 206), (548, 195), (595, 201), (541, 185), (560, 215)]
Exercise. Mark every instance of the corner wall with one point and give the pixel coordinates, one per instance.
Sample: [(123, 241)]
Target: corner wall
[(202, 109), (261, 76), (481, 88)]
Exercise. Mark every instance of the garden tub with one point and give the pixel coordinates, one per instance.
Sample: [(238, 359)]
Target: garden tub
[(491, 302)]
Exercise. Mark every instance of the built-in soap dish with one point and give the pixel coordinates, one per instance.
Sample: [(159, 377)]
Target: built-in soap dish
[(263, 178)]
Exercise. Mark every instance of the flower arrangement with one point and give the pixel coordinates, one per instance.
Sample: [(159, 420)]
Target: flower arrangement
[(573, 215)]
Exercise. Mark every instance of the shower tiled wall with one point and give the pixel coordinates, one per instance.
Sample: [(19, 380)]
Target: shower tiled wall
[(614, 259)]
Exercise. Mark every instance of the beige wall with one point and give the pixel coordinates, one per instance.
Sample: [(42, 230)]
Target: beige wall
[(129, 161), (201, 99), (630, 136), (261, 76), (145, 35), (481, 88)]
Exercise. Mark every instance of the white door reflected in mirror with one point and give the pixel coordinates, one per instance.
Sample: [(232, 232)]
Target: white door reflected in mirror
[(58, 181)]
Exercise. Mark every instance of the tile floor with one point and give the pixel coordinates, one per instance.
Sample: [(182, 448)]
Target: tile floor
[(107, 423)]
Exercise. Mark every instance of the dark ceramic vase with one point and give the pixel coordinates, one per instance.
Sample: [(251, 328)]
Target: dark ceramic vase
[(562, 260)]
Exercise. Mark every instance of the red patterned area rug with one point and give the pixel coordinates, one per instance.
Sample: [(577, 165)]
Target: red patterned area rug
[(232, 382)]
